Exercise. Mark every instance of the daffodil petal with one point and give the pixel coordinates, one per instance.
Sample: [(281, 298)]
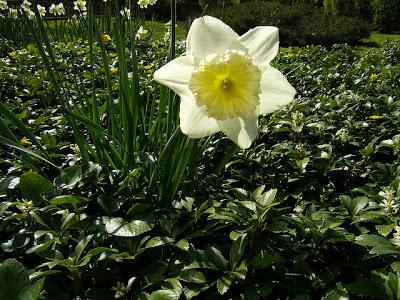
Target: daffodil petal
[(242, 131), (208, 35), (176, 75), (276, 91), (262, 43), (194, 123)]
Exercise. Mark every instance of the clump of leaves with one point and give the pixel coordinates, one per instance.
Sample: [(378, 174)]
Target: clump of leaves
[(311, 210)]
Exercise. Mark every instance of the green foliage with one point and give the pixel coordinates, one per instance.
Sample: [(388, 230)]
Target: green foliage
[(298, 24), (341, 7), (300, 214), (313, 2), (319, 29), (15, 283), (386, 15)]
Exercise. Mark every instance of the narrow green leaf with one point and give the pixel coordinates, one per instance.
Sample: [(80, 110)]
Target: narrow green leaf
[(21, 126), (80, 247), (237, 250)]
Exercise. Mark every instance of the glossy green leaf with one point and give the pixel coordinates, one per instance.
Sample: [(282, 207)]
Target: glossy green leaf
[(121, 227), (14, 281), (33, 186), (223, 284)]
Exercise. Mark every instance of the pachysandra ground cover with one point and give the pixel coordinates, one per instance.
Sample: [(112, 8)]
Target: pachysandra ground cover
[(113, 186)]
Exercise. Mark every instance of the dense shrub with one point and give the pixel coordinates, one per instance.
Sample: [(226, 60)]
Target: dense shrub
[(340, 7), (298, 24), (314, 2), (328, 30), (386, 15)]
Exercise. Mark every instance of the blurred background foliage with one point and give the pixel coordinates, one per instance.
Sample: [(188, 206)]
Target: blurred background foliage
[(301, 22)]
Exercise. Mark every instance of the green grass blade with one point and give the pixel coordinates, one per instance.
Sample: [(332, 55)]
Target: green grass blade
[(23, 128), (12, 144)]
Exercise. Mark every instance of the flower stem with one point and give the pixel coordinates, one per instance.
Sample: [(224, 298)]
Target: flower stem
[(173, 31)]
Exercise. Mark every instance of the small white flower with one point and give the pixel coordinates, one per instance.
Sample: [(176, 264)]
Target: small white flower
[(389, 207), (167, 36), (342, 134), (53, 9), (297, 116), (390, 202), (388, 193), (80, 5), (30, 13), (143, 3), (141, 33), (300, 147), (26, 5), (299, 208), (41, 10), (225, 80), (3, 5), (126, 12), (13, 13), (60, 9)]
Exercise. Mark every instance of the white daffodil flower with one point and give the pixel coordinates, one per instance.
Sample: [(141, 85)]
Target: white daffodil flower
[(53, 9), (26, 5), (225, 80), (13, 12), (80, 6), (60, 9), (141, 33), (3, 5), (41, 10), (31, 14), (143, 3), (126, 12)]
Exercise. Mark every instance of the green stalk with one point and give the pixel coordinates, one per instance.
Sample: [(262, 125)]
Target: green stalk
[(125, 107), (172, 50), (134, 91)]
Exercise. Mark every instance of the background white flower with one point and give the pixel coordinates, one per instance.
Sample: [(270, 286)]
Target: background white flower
[(26, 5), (60, 9), (80, 5), (13, 12), (3, 5), (41, 10), (126, 12), (53, 9), (225, 80), (143, 3), (141, 33)]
